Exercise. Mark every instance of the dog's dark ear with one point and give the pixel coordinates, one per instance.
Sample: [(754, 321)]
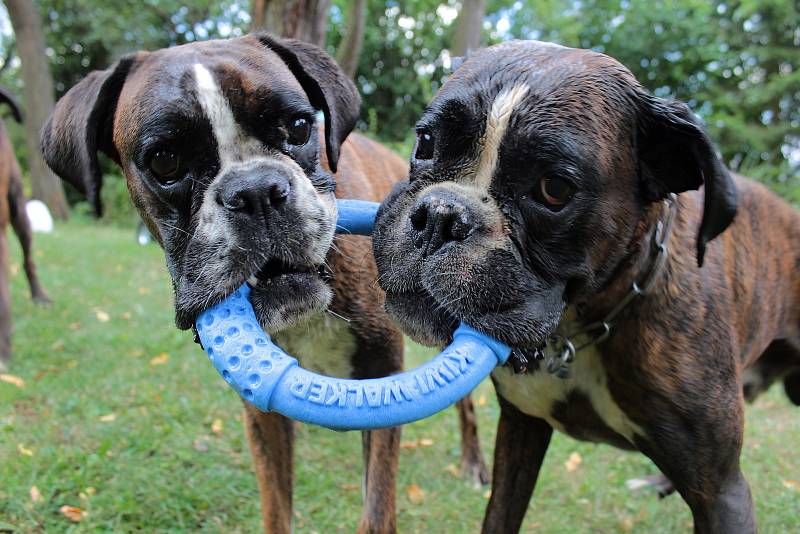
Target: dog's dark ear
[(8, 98), (676, 155), (327, 86), (81, 125)]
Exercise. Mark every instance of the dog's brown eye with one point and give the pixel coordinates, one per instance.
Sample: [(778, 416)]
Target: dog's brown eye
[(555, 192), (425, 145), (299, 131), (164, 164)]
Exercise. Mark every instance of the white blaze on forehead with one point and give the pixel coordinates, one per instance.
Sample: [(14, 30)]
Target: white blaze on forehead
[(233, 144), (496, 124)]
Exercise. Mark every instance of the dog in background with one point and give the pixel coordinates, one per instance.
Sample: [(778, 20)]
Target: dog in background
[(541, 209), (221, 151), (12, 210)]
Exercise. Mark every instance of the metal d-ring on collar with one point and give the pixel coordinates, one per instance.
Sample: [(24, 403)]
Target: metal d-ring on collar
[(560, 349)]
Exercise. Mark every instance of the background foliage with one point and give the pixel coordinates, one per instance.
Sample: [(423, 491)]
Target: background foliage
[(737, 63)]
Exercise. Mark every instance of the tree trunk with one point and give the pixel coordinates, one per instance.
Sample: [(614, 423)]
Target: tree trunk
[(467, 31), (38, 100), (306, 20), (350, 49)]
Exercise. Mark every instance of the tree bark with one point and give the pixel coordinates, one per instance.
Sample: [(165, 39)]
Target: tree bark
[(467, 31), (306, 20), (350, 48), (38, 99)]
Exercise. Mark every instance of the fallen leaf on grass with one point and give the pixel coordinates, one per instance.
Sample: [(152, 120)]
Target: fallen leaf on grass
[(72, 364), (44, 372), (487, 494), (144, 290), (423, 442), (73, 513), (35, 494), (482, 400), (216, 426), (349, 487), (14, 380), (136, 353), (107, 418), (102, 316), (126, 315), (791, 484), (75, 326), (453, 470), (573, 462), (23, 450), (57, 345), (14, 269), (626, 525), (161, 359), (415, 494)]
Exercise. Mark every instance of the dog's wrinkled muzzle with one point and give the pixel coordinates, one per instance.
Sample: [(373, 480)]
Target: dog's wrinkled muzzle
[(270, 379)]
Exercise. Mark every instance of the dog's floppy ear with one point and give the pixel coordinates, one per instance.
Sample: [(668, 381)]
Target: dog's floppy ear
[(81, 125), (327, 86), (676, 155), (8, 98)]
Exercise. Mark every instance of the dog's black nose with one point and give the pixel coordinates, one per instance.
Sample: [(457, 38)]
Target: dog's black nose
[(440, 219), (254, 192)]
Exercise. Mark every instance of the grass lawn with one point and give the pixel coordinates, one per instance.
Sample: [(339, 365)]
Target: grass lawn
[(122, 416)]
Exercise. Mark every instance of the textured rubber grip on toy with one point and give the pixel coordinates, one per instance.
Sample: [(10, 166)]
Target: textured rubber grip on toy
[(264, 375)]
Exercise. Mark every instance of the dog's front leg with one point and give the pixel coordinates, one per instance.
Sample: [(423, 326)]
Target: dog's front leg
[(472, 465), (518, 454), (271, 438), (704, 467), (381, 451), (22, 227)]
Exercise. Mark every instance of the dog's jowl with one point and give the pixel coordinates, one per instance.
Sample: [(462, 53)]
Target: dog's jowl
[(646, 291), (221, 151)]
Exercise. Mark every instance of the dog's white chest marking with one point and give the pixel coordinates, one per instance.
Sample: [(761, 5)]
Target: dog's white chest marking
[(537, 393), (322, 343)]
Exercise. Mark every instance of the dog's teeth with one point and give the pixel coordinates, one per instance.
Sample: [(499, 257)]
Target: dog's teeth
[(252, 281)]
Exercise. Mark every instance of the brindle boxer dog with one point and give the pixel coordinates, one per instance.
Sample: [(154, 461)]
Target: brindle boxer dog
[(12, 209), (541, 190), (219, 146)]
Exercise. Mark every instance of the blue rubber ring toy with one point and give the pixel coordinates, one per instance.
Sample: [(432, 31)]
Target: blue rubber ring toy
[(270, 379)]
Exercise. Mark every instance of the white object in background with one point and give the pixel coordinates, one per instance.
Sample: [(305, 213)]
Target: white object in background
[(39, 215)]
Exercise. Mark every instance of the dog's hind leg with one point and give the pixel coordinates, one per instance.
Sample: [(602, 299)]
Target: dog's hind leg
[(271, 438), (472, 465), (791, 382), (22, 227), (5, 303), (381, 452), (520, 447)]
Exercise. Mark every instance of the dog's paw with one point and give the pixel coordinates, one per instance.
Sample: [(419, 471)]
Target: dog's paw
[(40, 298), (658, 482), (475, 471)]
